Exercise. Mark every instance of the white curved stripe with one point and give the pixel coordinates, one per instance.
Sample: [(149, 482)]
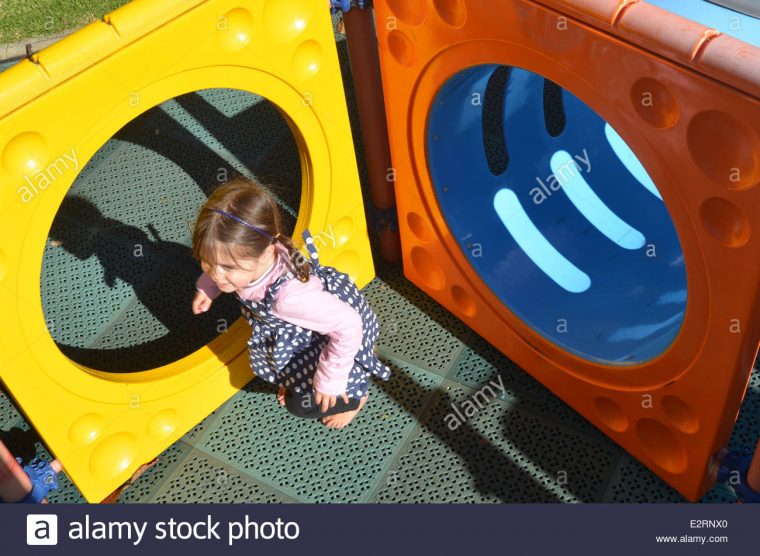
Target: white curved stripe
[(629, 160), (536, 246), (590, 205), (642, 331)]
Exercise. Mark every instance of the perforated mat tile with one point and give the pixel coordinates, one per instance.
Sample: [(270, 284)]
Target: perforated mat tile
[(9, 415), (67, 493), (194, 435), (163, 196), (747, 429), (158, 326), (633, 483), (202, 478), (76, 300), (147, 484), (412, 325), (499, 454), (305, 459), (479, 363)]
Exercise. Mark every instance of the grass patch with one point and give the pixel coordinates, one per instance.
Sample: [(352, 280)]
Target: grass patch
[(26, 19)]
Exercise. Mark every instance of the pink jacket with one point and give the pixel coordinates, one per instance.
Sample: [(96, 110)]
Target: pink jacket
[(308, 305)]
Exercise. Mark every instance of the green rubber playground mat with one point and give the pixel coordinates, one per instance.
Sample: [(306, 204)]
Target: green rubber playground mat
[(202, 478), (495, 452), (481, 364), (305, 459)]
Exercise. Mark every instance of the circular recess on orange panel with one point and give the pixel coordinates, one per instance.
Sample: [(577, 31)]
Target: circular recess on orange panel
[(412, 12), (464, 301), (724, 221), (453, 12), (654, 103), (428, 268), (402, 48), (680, 414), (662, 445), (419, 226), (725, 148), (611, 413)]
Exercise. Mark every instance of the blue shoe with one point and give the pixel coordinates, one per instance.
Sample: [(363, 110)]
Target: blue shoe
[(738, 460)]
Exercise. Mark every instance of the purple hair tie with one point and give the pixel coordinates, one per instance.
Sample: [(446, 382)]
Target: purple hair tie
[(244, 223)]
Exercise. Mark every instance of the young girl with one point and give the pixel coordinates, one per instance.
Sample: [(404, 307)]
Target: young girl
[(312, 331)]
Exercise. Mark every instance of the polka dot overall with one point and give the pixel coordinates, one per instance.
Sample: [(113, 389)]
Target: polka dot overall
[(285, 354)]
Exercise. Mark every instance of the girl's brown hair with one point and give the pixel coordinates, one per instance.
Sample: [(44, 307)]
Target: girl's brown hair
[(248, 201)]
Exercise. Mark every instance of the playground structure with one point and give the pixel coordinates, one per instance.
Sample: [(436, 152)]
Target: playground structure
[(436, 58), (582, 251)]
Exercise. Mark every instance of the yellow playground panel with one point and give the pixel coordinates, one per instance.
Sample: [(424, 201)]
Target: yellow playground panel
[(60, 107)]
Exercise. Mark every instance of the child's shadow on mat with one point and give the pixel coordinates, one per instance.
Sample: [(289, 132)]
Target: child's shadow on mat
[(494, 474), (21, 443), (162, 275), (257, 137)]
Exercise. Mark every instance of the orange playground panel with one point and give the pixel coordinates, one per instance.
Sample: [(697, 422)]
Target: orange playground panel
[(685, 101)]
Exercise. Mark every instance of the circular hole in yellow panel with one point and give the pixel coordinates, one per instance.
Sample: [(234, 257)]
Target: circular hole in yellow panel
[(286, 19), (419, 226), (724, 221), (307, 59), (402, 48), (464, 301), (114, 455), (725, 148), (654, 103), (118, 276), (428, 268), (680, 414), (27, 155), (453, 12), (410, 12), (235, 29), (611, 413), (662, 445)]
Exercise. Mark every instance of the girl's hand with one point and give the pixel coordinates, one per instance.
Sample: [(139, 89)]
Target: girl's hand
[(201, 302), (326, 401)]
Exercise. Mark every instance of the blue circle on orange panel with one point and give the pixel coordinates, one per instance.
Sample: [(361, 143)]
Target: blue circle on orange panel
[(556, 214)]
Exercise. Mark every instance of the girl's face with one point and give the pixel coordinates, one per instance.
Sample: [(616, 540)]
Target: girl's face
[(235, 274)]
